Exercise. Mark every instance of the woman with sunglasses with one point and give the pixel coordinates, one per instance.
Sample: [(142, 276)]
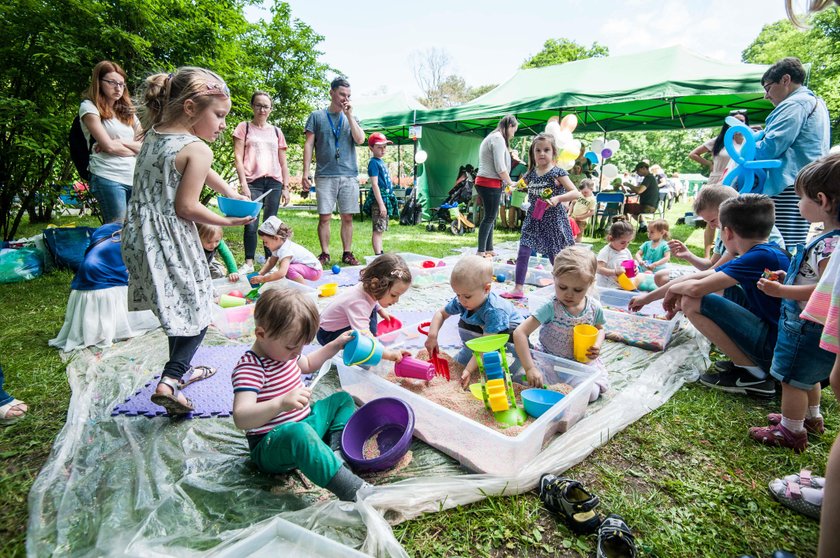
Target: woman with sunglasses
[(113, 134), (718, 164), (260, 152)]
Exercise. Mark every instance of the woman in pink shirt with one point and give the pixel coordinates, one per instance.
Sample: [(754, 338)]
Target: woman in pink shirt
[(260, 152)]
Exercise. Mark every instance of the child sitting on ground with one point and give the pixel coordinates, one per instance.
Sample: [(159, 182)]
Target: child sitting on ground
[(480, 311), (654, 253), (293, 261), (798, 361), (619, 236), (284, 430), (212, 242), (574, 274), (382, 284), (746, 332), (583, 208)]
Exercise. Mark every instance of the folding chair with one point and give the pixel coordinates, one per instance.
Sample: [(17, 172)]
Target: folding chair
[(601, 208), (660, 211)]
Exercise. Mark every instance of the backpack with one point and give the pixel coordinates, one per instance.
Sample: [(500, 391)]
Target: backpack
[(80, 148)]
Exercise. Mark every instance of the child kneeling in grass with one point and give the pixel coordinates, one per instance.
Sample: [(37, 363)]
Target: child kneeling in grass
[(284, 430), (746, 330)]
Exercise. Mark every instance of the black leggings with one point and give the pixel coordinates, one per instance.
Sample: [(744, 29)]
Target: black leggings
[(181, 352), (490, 198)]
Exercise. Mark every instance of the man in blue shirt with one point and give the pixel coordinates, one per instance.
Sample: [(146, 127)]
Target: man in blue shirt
[(745, 333), (797, 132), (334, 133)]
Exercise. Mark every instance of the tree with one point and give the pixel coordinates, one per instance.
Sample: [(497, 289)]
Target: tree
[(560, 51), (819, 46), (440, 87), (47, 61)]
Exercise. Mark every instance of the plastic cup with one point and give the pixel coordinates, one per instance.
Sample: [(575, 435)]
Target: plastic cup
[(539, 209), (328, 289), (410, 367), (585, 336), (625, 283), (629, 268), (227, 301)]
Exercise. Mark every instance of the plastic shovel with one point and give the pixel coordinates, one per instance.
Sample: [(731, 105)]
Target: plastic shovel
[(441, 366), (321, 372)]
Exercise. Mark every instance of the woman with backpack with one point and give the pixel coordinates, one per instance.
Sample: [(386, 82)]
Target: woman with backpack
[(112, 132), (260, 152)]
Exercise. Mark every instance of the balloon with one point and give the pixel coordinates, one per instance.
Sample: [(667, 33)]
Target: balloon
[(592, 156), (569, 152), (569, 122), (553, 129), (554, 118), (606, 153), (567, 164), (597, 145), (420, 157), (613, 145), (610, 171), (565, 157)]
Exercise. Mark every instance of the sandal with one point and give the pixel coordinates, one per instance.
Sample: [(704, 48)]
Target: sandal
[(615, 540), (13, 405), (198, 373), (169, 401), (792, 495), (513, 295), (569, 498)]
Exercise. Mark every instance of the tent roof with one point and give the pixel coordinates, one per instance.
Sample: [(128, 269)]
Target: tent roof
[(662, 89), (392, 114)]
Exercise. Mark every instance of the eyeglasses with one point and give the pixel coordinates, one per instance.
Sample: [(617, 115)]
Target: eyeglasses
[(262, 107), (767, 86), (114, 84)]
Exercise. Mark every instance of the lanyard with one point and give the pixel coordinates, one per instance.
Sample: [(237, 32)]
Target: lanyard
[(336, 130)]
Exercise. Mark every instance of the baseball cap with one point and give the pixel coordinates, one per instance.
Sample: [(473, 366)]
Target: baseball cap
[(271, 225), (378, 138)]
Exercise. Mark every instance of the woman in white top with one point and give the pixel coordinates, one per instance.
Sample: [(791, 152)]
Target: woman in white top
[(718, 164), (107, 116), (494, 164), (260, 152)]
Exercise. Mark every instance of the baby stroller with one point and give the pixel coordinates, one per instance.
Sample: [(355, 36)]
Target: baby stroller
[(450, 214)]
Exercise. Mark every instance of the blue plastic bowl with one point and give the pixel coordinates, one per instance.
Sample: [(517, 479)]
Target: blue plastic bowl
[(238, 208), (538, 401)]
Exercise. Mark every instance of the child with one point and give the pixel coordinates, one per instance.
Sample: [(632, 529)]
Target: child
[(583, 208), (167, 271), (211, 241), (744, 332), (551, 233), (654, 253), (284, 430), (480, 311), (619, 236), (381, 201), (293, 261), (574, 273), (798, 362), (382, 284)]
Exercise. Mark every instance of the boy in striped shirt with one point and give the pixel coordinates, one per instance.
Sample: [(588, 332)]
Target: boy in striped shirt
[(284, 430)]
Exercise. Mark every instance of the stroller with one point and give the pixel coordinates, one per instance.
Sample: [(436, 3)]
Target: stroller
[(450, 214)]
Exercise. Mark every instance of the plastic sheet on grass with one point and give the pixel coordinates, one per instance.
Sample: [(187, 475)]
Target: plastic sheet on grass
[(133, 486)]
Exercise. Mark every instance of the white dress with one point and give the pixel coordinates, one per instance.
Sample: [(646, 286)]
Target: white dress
[(167, 270)]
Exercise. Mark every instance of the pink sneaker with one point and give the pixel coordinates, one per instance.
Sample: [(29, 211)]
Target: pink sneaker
[(778, 435), (812, 425)]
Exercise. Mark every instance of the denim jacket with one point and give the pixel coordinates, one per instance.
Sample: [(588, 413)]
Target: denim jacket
[(797, 132)]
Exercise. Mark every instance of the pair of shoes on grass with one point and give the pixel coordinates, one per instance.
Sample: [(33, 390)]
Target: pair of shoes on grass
[(778, 435), (800, 492), (735, 379), (570, 499)]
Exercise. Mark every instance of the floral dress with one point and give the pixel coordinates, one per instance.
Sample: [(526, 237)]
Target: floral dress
[(167, 271), (552, 233)]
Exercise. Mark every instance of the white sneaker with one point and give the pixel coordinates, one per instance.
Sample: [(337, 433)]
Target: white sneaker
[(246, 268)]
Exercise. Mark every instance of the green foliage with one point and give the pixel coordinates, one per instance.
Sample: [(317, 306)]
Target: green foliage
[(819, 46), (670, 149), (48, 58), (560, 51), (453, 91)]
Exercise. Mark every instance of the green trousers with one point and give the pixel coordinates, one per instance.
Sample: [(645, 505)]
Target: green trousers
[(300, 445)]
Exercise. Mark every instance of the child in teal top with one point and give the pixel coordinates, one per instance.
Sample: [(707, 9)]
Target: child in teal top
[(654, 254)]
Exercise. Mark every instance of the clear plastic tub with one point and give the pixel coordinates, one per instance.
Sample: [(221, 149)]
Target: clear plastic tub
[(413, 260), (534, 276), (294, 285), (474, 445), (239, 320)]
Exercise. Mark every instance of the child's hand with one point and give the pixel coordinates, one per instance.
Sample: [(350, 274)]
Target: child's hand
[(642, 265), (770, 288), (465, 378), (258, 279), (233, 277), (295, 400), (342, 339), (384, 315), (396, 356), (678, 249), (618, 270), (593, 351), (431, 344), (535, 377)]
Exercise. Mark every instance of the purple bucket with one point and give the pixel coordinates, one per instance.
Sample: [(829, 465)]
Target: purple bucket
[(390, 421)]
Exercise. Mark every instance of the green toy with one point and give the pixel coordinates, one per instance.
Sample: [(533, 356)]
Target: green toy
[(496, 385)]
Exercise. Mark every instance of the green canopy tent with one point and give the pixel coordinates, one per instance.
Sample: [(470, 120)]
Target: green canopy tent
[(663, 89)]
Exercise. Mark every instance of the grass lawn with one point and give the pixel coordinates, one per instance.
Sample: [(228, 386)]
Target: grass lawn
[(686, 477)]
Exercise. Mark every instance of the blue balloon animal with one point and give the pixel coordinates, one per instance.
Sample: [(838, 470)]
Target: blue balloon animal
[(749, 174)]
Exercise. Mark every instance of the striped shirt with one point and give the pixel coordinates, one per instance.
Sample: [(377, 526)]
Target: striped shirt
[(269, 379)]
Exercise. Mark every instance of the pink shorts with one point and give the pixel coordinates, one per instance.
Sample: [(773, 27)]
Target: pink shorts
[(296, 271)]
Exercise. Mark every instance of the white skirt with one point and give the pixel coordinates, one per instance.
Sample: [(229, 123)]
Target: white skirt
[(99, 318)]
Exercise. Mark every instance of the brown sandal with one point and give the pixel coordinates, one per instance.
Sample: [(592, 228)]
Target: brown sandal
[(198, 373), (169, 401)]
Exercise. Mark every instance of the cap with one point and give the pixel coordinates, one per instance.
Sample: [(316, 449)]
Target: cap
[(378, 138), (271, 225)]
